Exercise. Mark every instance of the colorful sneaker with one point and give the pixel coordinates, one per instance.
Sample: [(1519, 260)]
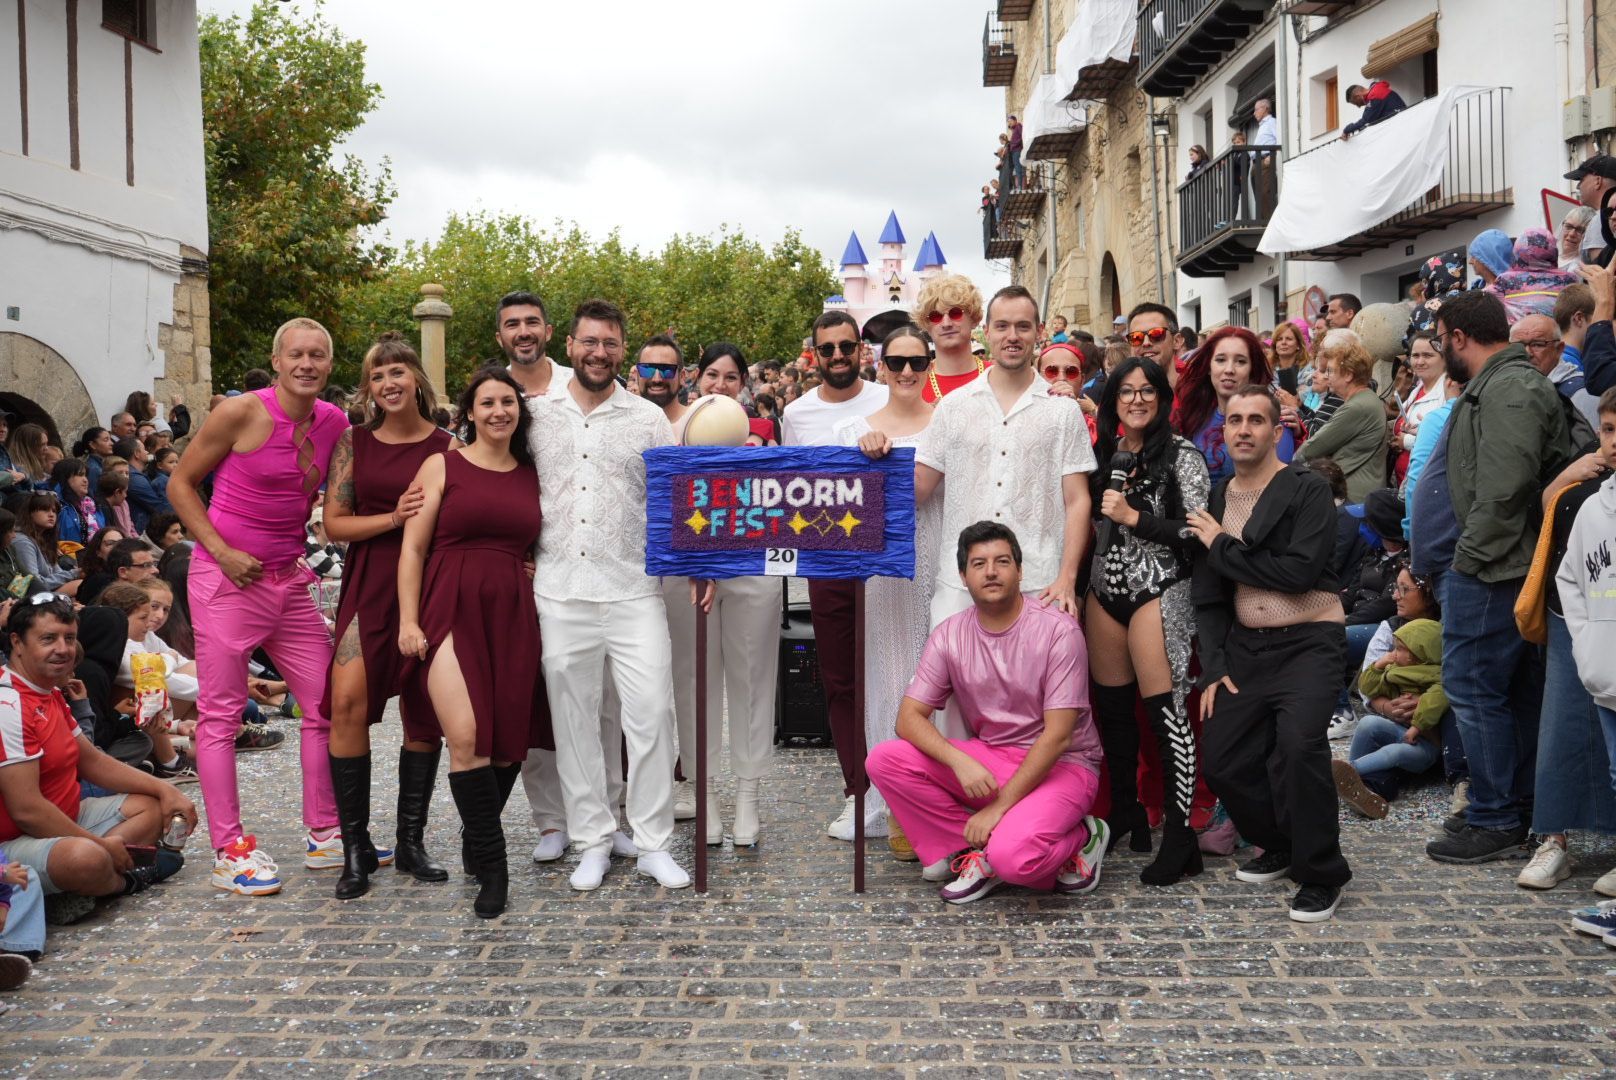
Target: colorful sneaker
[(242, 868), (327, 854), (1598, 920), (1550, 865), (973, 880), (1082, 873)]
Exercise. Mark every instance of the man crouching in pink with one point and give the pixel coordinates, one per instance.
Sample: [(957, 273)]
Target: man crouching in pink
[(1011, 804)]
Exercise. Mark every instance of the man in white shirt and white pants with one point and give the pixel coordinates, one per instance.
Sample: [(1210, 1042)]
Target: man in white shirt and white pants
[(596, 603)]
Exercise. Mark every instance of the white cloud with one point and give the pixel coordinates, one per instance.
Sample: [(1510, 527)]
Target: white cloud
[(663, 118)]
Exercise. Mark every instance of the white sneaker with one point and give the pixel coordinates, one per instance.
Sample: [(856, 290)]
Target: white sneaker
[(1550, 865), (684, 801), (242, 868), (1343, 723), (842, 827), (327, 854), (591, 870), (622, 846), (875, 822), (660, 865), (552, 845), (1606, 885), (938, 871)]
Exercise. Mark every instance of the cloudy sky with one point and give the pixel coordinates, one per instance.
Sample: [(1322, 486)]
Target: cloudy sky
[(660, 118)]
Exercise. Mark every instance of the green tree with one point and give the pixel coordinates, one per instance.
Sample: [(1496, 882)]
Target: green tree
[(703, 288), (284, 217)]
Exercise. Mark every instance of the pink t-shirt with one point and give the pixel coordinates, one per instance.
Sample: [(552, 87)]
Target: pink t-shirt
[(1006, 681)]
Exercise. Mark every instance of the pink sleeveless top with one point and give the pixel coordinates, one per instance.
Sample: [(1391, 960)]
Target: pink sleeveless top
[(259, 505)]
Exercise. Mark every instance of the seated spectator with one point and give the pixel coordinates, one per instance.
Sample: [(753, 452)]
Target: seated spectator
[(163, 531), (26, 451), (1011, 804), (95, 444), (143, 498), (1534, 277), (92, 560), (77, 518), (1377, 100), (179, 681), (1355, 435), (8, 562), (1384, 748), (128, 560), (160, 467), (77, 846), (34, 545), (112, 497), (110, 720), (22, 922)]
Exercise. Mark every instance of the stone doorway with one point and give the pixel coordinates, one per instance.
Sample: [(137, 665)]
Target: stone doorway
[(42, 388)]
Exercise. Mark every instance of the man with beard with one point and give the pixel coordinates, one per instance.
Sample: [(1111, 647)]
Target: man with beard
[(811, 421), (1153, 334), (1505, 439), (1270, 622), (660, 372), (949, 308), (596, 604), (522, 328)]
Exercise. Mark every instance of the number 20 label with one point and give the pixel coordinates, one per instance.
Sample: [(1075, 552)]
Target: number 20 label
[(780, 562)]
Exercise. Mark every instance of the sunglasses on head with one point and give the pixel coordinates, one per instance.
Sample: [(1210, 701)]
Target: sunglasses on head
[(651, 371), (41, 598), (913, 363), (1070, 372), (1154, 334), (955, 314), (833, 348)]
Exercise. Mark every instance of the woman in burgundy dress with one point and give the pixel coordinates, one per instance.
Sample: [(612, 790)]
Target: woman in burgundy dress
[(369, 496), (467, 618)]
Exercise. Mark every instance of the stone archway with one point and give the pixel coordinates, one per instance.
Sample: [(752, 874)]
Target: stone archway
[(1110, 287), (37, 375)]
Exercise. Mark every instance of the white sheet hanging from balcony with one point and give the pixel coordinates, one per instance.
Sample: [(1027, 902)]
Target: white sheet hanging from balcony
[(1047, 113), (1343, 188), (1102, 30)]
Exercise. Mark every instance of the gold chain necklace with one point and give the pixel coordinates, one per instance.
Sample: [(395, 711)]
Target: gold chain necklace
[(937, 391)]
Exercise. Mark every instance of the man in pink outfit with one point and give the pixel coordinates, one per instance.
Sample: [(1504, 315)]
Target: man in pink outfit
[(268, 451), (1011, 803)]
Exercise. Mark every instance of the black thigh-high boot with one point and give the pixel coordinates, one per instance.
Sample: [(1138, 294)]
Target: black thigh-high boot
[(476, 796), (1180, 855), (417, 774), (1119, 738), (350, 777), (506, 775)]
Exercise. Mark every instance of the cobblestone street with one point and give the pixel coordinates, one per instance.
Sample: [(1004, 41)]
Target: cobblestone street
[(781, 971)]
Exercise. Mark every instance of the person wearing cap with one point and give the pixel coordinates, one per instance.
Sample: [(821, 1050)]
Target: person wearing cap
[(1594, 177)]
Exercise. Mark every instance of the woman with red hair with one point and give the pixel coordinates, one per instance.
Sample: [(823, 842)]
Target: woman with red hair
[(1228, 359)]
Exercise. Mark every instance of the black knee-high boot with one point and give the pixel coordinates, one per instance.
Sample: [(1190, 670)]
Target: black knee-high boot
[(1180, 855), (350, 779), (477, 797), (507, 776), (417, 774), (1119, 738)]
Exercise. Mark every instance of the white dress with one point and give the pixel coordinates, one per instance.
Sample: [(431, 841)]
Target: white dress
[(897, 611)]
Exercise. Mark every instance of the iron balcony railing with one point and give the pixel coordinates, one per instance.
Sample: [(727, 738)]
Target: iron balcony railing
[(1180, 40), (1236, 190), (998, 53)]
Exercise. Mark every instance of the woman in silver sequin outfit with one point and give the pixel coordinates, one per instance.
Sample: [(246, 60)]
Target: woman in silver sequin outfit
[(1139, 618)]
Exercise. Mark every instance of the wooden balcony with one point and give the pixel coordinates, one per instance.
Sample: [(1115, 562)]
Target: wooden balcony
[(1181, 40), (1223, 210), (1317, 7), (1097, 81), (998, 53), (1028, 199), (1015, 10)]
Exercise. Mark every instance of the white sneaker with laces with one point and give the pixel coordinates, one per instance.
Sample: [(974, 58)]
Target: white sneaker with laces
[(242, 868), (622, 846), (660, 865), (684, 801), (875, 822), (1343, 723), (552, 845), (591, 870), (327, 854), (842, 827), (1549, 866)]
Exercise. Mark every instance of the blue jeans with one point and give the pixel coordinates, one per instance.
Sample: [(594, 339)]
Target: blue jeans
[(1494, 681), (1573, 761), (25, 923), (1607, 720), (1378, 747)]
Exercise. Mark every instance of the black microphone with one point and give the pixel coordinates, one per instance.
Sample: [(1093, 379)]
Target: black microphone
[(1122, 463)]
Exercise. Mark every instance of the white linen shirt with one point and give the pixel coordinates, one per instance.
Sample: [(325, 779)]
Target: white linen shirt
[(592, 492), (1006, 468)]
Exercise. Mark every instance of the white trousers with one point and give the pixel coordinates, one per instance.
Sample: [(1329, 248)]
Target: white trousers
[(580, 636), (743, 661), (947, 601), (542, 782)]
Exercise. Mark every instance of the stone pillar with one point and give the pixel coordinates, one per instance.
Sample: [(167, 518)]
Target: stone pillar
[(433, 314)]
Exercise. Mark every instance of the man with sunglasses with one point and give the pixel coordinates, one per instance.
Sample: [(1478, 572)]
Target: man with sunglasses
[(811, 420), (949, 308), (1152, 333)]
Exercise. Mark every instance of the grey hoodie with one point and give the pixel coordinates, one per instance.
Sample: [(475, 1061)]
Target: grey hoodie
[(1587, 580)]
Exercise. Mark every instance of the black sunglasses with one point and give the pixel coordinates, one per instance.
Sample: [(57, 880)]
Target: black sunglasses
[(913, 363), (832, 348)]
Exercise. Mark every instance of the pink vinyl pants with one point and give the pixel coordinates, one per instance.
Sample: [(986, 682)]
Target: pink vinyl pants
[(1034, 839), (278, 613)]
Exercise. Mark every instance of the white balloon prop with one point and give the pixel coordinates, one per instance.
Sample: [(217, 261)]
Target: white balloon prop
[(716, 420)]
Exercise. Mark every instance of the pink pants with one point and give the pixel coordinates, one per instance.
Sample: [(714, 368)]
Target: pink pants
[(1034, 839), (278, 613)]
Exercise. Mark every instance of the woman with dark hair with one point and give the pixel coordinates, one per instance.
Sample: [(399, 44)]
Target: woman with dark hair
[(1227, 360), (743, 652), (78, 517), (159, 467), (1200, 160), (175, 568), (369, 497), (95, 444), (163, 531), (467, 617), (722, 370), (34, 545), (1139, 618), (93, 559)]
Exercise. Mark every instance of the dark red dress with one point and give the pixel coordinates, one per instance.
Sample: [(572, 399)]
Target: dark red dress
[(476, 589), (381, 473)]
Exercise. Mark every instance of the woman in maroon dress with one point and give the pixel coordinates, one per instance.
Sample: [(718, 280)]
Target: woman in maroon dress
[(467, 618), (368, 499)]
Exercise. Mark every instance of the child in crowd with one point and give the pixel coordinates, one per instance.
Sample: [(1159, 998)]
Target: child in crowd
[(22, 922), (1383, 747), (179, 674)]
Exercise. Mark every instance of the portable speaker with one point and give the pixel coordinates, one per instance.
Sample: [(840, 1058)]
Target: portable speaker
[(799, 701)]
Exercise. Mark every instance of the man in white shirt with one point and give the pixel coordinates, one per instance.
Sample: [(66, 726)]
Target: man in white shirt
[(596, 603), (1267, 170), (1013, 454), (811, 421), (522, 329)]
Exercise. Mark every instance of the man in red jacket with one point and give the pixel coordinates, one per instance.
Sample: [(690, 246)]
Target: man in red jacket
[(1378, 102)]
